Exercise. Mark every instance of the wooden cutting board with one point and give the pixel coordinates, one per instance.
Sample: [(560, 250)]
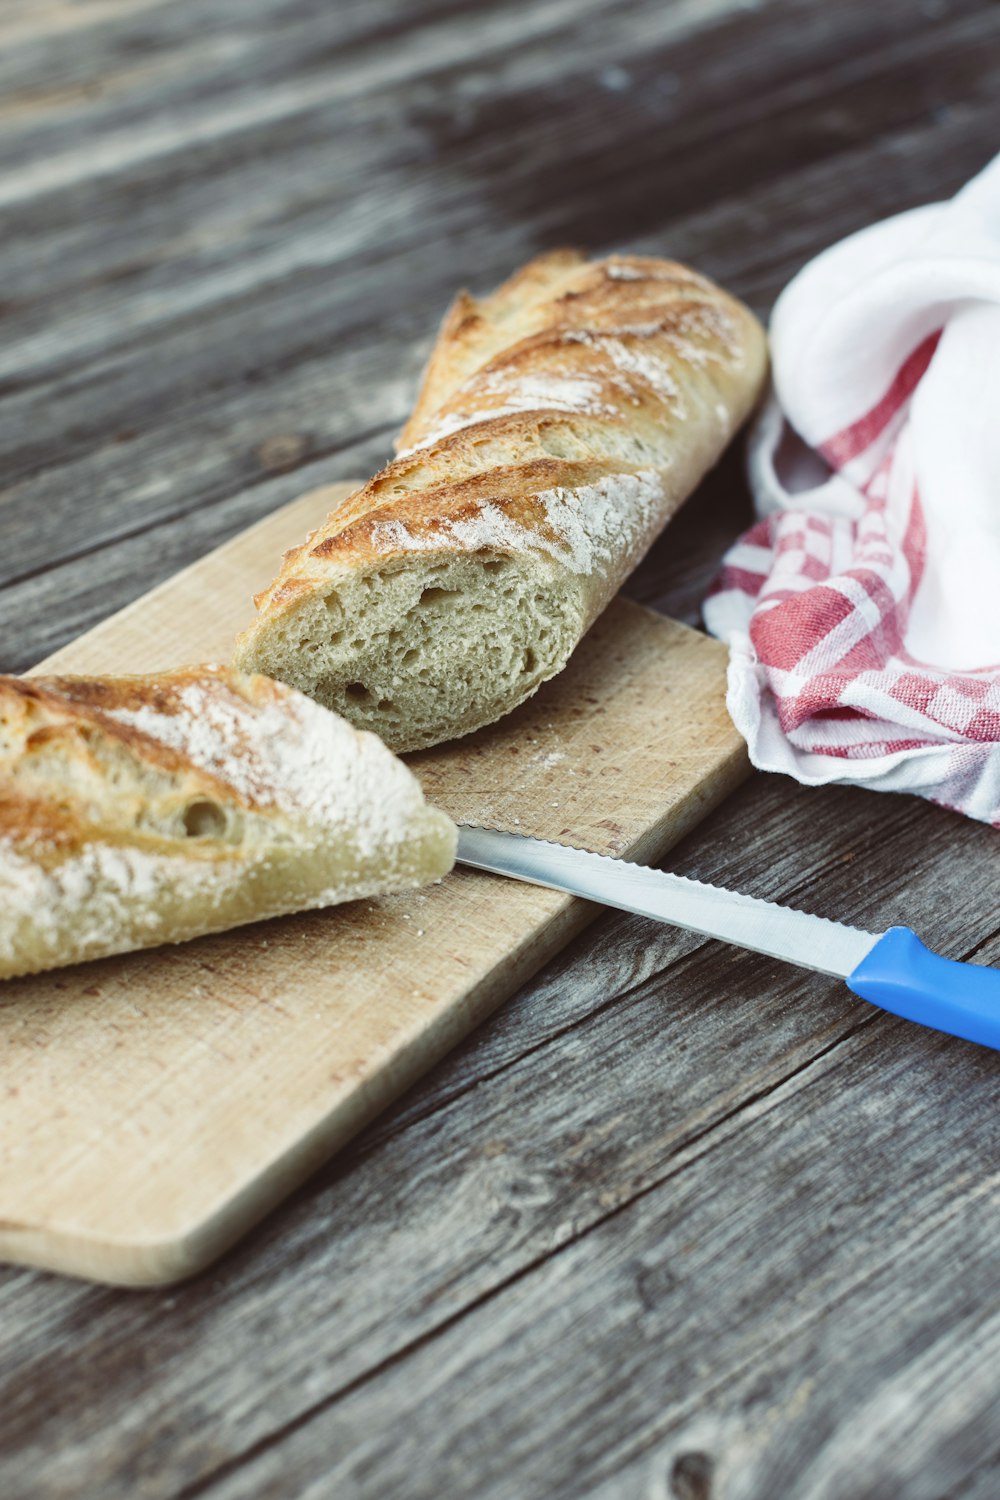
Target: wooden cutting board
[(154, 1106)]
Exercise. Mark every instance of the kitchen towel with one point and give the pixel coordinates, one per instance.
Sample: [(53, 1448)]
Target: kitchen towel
[(862, 611)]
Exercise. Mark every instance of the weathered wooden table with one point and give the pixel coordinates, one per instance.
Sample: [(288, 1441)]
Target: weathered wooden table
[(679, 1221)]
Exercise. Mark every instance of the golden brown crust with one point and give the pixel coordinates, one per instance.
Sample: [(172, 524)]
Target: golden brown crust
[(468, 332), (560, 424), (140, 810), (542, 385), (557, 293), (80, 754), (70, 722)]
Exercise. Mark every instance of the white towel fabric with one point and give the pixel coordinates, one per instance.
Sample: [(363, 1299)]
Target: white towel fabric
[(863, 611)]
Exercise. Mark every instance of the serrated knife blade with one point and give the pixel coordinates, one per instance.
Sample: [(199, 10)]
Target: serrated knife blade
[(747, 921), (891, 969)]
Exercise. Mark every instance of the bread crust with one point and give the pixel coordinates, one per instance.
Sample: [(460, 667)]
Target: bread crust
[(539, 408), (147, 809)]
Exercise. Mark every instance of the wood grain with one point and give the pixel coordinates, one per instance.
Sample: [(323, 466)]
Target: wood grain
[(755, 1254), (620, 1069), (264, 258), (148, 1169)]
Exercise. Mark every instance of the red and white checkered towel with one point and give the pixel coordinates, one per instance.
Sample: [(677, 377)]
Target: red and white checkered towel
[(863, 610)]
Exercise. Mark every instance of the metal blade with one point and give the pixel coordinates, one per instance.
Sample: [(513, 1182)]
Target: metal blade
[(763, 926)]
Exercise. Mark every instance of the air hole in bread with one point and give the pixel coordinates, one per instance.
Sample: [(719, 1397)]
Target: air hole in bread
[(444, 643), (554, 444), (204, 819), (333, 604)]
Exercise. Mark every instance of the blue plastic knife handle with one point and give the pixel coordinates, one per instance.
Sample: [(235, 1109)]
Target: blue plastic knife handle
[(903, 976)]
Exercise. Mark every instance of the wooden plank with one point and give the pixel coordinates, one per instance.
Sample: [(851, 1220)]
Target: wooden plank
[(42, 614), (148, 1171), (291, 257), (673, 1320), (884, 1385), (64, 601), (624, 1075), (834, 197)]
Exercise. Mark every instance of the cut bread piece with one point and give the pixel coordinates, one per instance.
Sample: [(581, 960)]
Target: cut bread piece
[(561, 423), (143, 810)]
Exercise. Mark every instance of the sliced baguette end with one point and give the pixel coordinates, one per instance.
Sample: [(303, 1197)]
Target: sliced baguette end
[(447, 646)]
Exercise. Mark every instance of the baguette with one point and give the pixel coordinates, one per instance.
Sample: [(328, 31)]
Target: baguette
[(561, 422), (143, 810)]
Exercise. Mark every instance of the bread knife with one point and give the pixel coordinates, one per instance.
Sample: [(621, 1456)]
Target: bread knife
[(890, 969)]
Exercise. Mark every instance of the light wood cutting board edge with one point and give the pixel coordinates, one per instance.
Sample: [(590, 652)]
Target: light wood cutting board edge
[(160, 1260), (165, 1261)]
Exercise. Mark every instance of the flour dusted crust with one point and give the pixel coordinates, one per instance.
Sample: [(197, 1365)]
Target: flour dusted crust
[(143, 810), (561, 422)]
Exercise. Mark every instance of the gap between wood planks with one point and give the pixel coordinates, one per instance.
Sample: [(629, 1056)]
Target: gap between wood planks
[(716, 125), (685, 1157), (901, 816), (691, 1149), (384, 432), (909, 137)]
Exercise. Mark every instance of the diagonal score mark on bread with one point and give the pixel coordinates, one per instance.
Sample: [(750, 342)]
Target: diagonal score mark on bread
[(149, 809), (560, 424)]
